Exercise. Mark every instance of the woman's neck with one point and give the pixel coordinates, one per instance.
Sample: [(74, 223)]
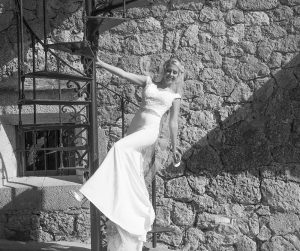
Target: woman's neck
[(163, 85)]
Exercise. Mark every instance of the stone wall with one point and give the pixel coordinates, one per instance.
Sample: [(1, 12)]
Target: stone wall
[(238, 185), (34, 210), (45, 226), (43, 210)]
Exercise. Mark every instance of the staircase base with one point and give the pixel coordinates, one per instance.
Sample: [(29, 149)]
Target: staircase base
[(148, 247)]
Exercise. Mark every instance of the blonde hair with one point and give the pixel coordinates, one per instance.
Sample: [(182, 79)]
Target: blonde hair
[(179, 65), (176, 62)]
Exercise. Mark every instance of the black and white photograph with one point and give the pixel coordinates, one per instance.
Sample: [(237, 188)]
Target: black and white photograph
[(149, 125)]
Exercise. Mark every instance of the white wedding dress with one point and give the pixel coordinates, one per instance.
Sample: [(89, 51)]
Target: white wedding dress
[(118, 187)]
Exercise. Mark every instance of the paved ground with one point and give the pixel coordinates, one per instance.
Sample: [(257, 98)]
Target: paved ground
[(49, 246), (6, 245)]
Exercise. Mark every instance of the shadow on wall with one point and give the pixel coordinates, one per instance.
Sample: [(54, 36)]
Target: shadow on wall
[(261, 136), (25, 197), (37, 213), (246, 165), (250, 158), (58, 29)]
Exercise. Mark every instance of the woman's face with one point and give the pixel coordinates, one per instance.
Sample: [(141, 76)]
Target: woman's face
[(171, 73)]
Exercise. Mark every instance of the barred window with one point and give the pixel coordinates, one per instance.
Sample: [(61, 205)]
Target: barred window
[(42, 155)]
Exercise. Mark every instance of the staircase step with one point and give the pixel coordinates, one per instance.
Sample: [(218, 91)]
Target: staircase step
[(157, 229), (118, 5), (73, 168), (58, 149), (78, 48), (56, 75), (148, 247), (53, 126), (106, 23), (51, 102), (67, 148)]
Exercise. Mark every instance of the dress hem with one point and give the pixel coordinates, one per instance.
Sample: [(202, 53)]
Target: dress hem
[(141, 237)]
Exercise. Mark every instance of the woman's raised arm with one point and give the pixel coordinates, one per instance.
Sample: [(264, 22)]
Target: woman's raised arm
[(134, 78)]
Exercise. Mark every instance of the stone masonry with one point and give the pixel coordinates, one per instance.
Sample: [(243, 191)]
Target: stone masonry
[(238, 186)]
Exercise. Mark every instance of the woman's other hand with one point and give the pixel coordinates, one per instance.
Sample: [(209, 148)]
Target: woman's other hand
[(176, 158), (99, 61)]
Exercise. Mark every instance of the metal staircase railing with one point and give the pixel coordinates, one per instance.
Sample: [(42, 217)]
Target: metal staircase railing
[(83, 108)]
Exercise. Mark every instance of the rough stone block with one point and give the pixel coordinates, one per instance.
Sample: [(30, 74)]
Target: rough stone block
[(190, 36), (163, 216), (246, 244), (281, 195), (178, 18), (216, 241), (109, 42), (172, 238), (274, 31), (247, 189), (278, 243), (236, 34), (194, 237), (183, 214), (251, 68), (290, 2), (241, 93), (228, 4), (217, 28), (257, 18), (179, 189), (222, 187), (234, 17), (142, 44), (187, 4), (282, 224), (208, 14), (264, 233), (289, 43), (149, 24), (282, 13), (198, 183), (172, 40), (252, 5)]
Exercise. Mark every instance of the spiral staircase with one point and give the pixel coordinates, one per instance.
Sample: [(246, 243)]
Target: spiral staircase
[(98, 18)]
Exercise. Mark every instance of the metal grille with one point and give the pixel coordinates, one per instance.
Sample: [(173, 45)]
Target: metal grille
[(41, 157)]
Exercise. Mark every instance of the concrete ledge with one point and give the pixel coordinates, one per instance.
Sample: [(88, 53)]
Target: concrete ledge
[(40, 193), (6, 245)]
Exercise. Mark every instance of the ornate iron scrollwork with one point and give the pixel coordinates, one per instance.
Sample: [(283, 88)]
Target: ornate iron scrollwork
[(73, 85), (76, 116), (81, 90)]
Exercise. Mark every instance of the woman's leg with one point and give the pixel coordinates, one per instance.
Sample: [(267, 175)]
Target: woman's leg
[(118, 189), (120, 240)]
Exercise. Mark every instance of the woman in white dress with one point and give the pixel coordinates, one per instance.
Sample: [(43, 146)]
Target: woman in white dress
[(118, 187)]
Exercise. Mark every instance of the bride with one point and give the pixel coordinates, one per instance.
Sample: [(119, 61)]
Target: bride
[(118, 187)]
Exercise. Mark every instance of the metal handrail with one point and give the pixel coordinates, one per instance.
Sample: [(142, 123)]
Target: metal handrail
[(117, 94)]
